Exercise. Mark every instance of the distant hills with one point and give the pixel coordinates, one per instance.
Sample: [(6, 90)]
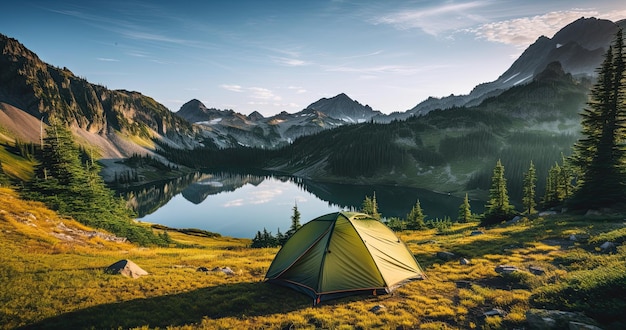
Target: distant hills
[(120, 123)]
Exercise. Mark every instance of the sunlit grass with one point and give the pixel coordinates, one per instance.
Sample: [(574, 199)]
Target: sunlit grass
[(16, 166), (51, 282)]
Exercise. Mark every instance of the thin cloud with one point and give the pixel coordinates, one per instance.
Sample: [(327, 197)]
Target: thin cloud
[(298, 90), (434, 20), (521, 32), (263, 94), (385, 69), (290, 61), (104, 59), (232, 88)]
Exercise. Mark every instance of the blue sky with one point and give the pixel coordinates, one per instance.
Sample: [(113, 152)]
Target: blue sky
[(274, 56)]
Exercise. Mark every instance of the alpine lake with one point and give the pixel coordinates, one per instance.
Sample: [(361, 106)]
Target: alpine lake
[(238, 204)]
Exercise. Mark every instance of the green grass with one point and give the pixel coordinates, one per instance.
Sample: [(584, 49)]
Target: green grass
[(16, 166), (50, 282)]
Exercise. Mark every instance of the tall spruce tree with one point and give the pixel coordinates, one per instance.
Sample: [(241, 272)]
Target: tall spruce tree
[(415, 218), (66, 184), (498, 207), (465, 212), (295, 222), (600, 154), (370, 206), (528, 198)]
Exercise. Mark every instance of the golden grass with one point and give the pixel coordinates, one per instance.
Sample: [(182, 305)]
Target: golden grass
[(50, 282), (16, 166)]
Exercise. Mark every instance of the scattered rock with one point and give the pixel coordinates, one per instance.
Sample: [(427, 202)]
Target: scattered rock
[(464, 261), (545, 213), (573, 325), (607, 246), (225, 270), (592, 213), (515, 219), (554, 319), (444, 255), (126, 268), (477, 232), (494, 312), (289, 326), (536, 270), (202, 269), (572, 238), (378, 309), (463, 284), (506, 269), (66, 233)]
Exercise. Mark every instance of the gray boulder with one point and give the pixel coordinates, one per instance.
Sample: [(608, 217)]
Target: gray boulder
[(506, 269), (444, 255), (543, 319)]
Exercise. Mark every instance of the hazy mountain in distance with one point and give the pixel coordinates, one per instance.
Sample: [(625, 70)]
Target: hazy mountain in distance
[(579, 47), (228, 128)]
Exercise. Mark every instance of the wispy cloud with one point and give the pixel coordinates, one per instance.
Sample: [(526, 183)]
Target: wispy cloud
[(521, 32), (435, 20), (290, 61), (256, 197), (297, 89), (104, 59), (385, 69), (257, 93), (232, 88), (263, 94)]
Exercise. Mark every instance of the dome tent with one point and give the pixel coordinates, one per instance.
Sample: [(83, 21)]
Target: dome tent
[(341, 254)]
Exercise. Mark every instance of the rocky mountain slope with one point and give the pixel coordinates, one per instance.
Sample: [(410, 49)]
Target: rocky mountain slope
[(228, 128), (579, 47), (118, 122), (122, 123)]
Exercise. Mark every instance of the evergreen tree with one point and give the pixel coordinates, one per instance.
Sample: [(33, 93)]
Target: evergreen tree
[(370, 207), (600, 153), (415, 218), (552, 195), (465, 212), (295, 221), (66, 184), (498, 207), (528, 198)]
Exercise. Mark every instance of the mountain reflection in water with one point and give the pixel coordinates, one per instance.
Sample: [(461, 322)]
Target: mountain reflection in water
[(239, 204)]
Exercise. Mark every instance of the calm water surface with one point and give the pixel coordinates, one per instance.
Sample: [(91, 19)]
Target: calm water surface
[(239, 205)]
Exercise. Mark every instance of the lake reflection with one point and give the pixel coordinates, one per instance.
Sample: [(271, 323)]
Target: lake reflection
[(238, 205)]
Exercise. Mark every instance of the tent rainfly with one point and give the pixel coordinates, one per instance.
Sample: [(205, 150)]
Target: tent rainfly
[(343, 253)]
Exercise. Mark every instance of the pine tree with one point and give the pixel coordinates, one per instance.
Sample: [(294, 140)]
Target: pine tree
[(498, 207), (528, 198), (295, 222), (66, 184), (600, 153), (370, 206), (465, 212), (415, 218)]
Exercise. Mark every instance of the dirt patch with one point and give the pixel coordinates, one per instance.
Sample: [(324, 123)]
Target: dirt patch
[(20, 124)]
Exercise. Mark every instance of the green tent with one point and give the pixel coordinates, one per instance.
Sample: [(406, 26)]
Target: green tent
[(341, 254)]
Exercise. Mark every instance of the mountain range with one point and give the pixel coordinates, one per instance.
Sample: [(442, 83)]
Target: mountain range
[(579, 47), (120, 123)]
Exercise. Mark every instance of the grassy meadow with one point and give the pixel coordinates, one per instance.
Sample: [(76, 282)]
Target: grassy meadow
[(52, 276)]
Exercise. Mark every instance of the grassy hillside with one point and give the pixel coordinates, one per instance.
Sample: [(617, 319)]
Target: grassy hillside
[(53, 277)]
